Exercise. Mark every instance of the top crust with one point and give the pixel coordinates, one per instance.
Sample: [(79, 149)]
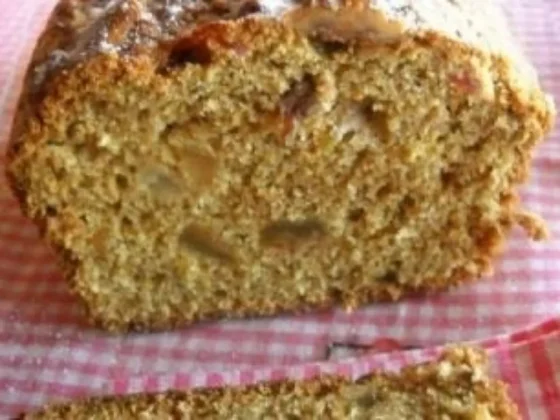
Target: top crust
[(81, 30)]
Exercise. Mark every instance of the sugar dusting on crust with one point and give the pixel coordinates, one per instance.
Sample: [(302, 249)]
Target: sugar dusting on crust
[(482, 24), (92, 22), (87, 20), (154, 20)]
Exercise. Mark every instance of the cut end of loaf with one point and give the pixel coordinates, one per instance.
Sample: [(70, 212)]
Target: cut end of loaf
[(246, 169), (456, 386)]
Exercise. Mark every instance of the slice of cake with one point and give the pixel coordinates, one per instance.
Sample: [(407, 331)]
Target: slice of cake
[(200, 159), (455, 387)]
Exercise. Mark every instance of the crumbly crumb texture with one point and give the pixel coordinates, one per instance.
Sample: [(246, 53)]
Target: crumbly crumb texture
[(190, 160), (456, 386)]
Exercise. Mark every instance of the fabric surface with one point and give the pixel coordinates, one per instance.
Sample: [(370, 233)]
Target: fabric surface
[(48, 352)]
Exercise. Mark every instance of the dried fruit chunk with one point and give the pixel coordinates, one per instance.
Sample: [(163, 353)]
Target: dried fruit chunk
[(285, 231), (345, 25), (364, 116), (200, 169), (200, 46), (160, 182), (299, 99), (204, 241)]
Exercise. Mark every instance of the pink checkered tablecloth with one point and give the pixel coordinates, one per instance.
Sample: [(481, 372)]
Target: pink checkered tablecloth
[(48, 352)]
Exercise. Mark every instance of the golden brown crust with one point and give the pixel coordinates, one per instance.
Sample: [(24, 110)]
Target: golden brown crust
[(79, 30), (456, 386), (88, 48)]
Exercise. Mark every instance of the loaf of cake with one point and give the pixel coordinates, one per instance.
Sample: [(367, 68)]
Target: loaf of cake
[(198, 159), (456, 386)]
